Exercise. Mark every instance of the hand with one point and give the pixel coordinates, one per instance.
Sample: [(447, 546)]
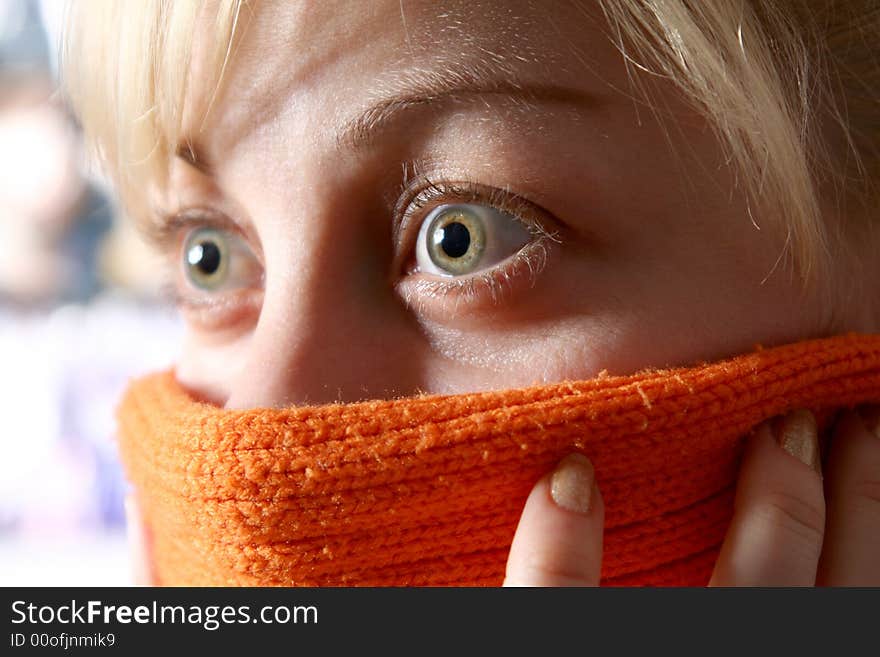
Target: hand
[(786, 530)]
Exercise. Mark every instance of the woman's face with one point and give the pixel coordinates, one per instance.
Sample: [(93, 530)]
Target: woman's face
[(392, 197)]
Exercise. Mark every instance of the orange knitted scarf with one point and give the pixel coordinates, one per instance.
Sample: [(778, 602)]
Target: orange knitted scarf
[(428, 490)]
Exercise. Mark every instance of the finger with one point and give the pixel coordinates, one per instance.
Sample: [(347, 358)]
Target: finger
[(138, 548), (775, 537), (558, 541), (851, 554)]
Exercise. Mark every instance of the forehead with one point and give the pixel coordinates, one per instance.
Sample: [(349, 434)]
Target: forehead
[(331, 58)]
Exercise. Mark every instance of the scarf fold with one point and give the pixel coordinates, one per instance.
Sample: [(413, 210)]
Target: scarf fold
[(428, 490)]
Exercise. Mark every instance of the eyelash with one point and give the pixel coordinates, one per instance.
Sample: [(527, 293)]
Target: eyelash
[(416, 197), (170, 239), (419, 195)]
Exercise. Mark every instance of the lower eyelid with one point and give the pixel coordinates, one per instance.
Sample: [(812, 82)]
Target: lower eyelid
[(481, 290), (231, 312)]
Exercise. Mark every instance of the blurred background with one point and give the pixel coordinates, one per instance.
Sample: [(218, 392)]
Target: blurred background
[(80, 315)]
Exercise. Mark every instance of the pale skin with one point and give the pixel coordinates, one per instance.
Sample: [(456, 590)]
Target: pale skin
[(648, 254)]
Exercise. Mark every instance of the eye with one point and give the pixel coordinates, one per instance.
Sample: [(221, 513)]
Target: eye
[(461, 239), (217, 277), (206, 259), (215, 260)]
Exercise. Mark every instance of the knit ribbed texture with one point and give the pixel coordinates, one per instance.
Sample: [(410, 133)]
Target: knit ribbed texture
[(428, 490)]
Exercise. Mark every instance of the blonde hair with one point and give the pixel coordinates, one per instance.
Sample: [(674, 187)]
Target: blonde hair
[(125, 69), (790, 86)]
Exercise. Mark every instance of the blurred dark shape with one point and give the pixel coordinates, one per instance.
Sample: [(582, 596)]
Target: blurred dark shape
[(23, 43), (78, 317), (52, 220)]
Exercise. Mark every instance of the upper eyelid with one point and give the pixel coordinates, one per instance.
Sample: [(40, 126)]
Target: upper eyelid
[(199, 217), (466, 191), (528, 213), (414, 188)]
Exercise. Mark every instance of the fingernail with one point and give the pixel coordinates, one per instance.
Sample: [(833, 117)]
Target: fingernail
[(871, 417), (571, 485), (798, 435)]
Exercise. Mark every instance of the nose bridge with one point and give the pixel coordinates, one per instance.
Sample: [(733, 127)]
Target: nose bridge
[(330, 328)]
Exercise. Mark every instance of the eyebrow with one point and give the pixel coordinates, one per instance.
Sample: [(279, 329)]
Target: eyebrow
[(367, 126), (427, 88)]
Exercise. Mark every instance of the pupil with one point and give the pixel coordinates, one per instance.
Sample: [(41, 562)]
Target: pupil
[(456, 239), (207, 257)]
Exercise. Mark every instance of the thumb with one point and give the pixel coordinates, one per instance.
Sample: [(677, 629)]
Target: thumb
[(558, 541)]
